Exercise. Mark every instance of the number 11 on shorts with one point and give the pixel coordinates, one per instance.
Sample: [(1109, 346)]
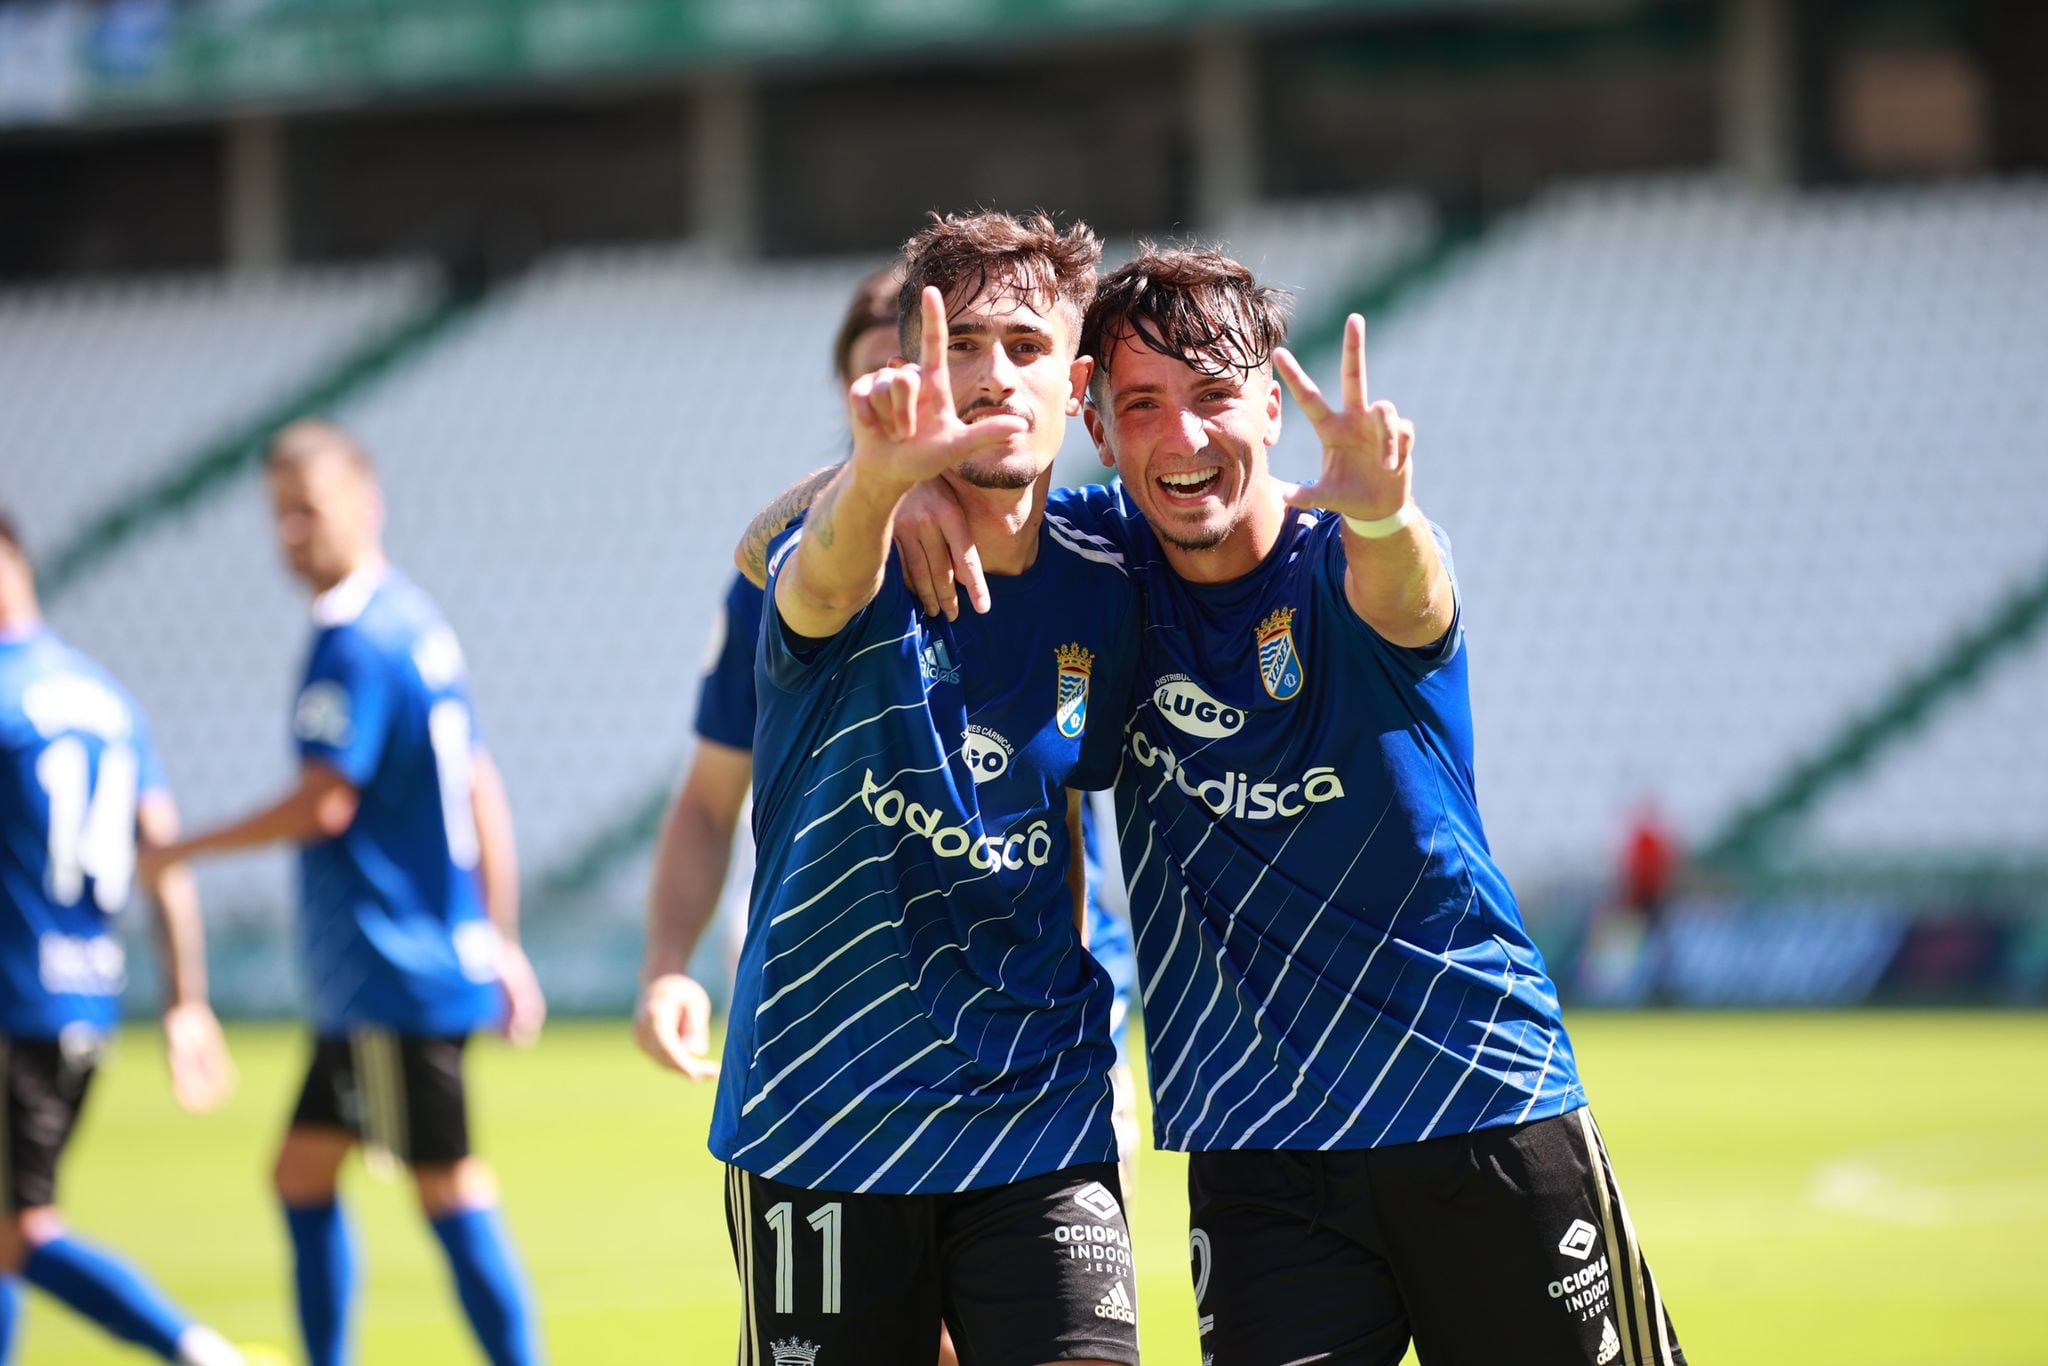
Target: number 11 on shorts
[(825, 1219)]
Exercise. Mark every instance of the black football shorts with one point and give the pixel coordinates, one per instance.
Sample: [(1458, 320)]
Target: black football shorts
[(1507, 1245), (45, 1082), (1035, 1271), (401, 1093)]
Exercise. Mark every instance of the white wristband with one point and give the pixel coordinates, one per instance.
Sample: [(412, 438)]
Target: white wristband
[(1382, 527)]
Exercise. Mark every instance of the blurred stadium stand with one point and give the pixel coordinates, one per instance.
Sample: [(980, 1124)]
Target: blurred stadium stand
[(1722, 322)]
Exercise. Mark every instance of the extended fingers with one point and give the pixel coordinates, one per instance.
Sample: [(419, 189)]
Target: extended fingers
[(1306, 395), (931, 348), (1354, 362)]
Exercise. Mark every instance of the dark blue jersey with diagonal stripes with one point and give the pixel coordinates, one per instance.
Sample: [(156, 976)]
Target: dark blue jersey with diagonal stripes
[(915, 1011), (1328, 956)]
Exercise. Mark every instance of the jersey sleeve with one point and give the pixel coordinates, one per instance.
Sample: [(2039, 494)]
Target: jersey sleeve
[(342, 717), (725, 699), (791, 663), (1093, 520), (1416, 662)]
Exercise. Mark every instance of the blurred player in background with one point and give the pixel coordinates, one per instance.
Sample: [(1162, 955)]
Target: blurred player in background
[(408, 904), (693, 855), (79, 778), (917, 1063)]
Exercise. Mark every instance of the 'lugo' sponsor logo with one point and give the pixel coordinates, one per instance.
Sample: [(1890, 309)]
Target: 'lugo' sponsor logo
[(1182, 701), (1239, 795)]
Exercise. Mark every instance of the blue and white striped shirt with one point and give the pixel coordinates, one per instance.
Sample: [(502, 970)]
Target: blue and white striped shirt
[(914, 1010), (1328, 956)]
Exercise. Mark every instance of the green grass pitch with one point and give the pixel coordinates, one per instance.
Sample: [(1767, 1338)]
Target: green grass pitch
[(1868, 1188)]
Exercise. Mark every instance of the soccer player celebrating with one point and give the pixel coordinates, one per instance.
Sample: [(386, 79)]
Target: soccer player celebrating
[(1347, 1024), (693, 854), (409, 903), (79, 778), (917, 1068)]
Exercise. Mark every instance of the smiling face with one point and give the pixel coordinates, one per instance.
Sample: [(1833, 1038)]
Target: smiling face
[(1191, 446)]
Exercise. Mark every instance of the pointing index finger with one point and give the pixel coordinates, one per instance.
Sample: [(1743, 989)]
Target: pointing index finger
[(932, 348), (1354, 363)]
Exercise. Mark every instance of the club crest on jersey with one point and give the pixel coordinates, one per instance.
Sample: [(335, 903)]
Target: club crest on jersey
[(1074, 663), (794, 1352), (1279, 664)]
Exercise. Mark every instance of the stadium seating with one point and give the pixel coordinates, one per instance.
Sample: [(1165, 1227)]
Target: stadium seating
[(103, 385), (1720, 470)]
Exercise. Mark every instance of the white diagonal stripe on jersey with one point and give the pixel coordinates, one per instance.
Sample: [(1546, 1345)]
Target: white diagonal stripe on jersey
[(1541, 1077), (911, 634), (1209, 1092), (1066, 537), (1108, 1097), (811, 901), (1074, 537), (761, 1048), (1507, 990), (847, 1108), (1179, 920), (918, 705), (915, 1134), (897, 923), (811, 1052), (1406, 1034), (1021, 1111), (1350, 995), (847, 767), (1286, 967)]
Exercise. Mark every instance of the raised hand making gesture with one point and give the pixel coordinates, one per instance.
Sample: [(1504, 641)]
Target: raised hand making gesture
[(905, 431), (905, 427), (1396, 579), (1366, 447)]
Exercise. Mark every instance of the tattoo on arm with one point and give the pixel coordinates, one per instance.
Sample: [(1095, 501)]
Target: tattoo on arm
[(752, 554)]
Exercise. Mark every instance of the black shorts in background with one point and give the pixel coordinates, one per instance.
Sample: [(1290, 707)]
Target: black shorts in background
[(401, 1093), (1510, 1245), (1034, 1271), (45, 1082)]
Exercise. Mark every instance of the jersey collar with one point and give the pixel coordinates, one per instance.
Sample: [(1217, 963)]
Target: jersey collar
[(343, 603)]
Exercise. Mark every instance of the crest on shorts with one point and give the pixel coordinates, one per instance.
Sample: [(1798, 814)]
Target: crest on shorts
[(794, 1352), (1279, 665), (1074, 662)]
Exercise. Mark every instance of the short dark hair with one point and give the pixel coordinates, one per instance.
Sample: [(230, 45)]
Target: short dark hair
[(873, 305), (10, 533), (1193, 304), (299, 441), (965, 254)]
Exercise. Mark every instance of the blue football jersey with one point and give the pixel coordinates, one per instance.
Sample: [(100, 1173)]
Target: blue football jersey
[(392, 925), (725, 700), (75, 758), (1328, 956), (915, 1011)]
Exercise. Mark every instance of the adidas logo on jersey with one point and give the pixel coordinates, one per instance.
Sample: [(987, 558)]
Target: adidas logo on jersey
[(1116, 1305), (794, 1352), (936, 664), (1610, 1343)]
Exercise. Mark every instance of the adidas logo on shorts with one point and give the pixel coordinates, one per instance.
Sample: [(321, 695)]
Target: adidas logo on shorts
[(1610, 1345), (1117, 1305)]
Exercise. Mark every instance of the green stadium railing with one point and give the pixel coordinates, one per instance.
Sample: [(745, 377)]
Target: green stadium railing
[(631, 829), (194, 479), (1756, 833)]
